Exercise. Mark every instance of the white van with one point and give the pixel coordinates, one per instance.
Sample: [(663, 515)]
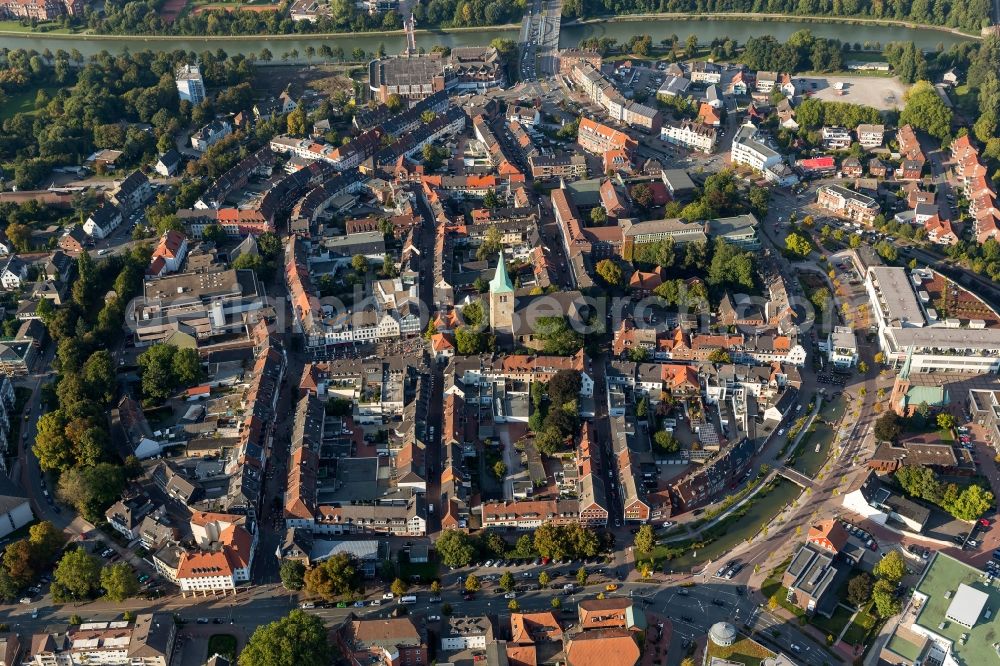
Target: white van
[(408, 599)]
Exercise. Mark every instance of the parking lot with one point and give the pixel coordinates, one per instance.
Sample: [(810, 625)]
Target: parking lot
[(882, 93)]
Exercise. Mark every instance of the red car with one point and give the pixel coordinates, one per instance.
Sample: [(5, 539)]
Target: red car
[(985, 522)]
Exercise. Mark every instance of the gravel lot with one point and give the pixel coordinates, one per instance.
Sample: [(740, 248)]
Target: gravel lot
[(880, 92)]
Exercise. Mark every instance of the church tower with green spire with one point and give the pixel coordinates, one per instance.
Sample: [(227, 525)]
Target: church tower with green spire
[(501, 302)]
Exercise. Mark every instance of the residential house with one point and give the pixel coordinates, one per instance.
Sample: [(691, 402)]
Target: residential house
[(690, 134), (14, 274), (382, 642), (709, 115), (702, 71), (847, 203), (15, 509), (836, 138), (211, 134), (766, 82), (168, 163), (169, 254), (148, 641), (877, 168), (126, 515), (103, 221), (870, 136), (130, 194), (73, 241), (851, 168)]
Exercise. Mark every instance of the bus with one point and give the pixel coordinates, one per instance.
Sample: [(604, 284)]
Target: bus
[(408, 599)]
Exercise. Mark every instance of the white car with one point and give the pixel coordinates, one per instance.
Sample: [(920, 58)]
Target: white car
[(388, 596), (25, 600), (510, 595), (781, 432)]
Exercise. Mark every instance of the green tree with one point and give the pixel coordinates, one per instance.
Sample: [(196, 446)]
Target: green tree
[(500, 470), (19, 563), (92, 490), (797, 244), (645, 539), (435, 587), (642, 194), (52, 447), (513, 606), (971, 503), (557, 337), (300, 639), (468, 341), (555, 602), (76, 577), (99, 376), (399, 587), (891, 567), (581, 575), (214, 233), (598, 216), (507, 581), (156, 370), (455, 548), (610, 272), (472, 584), (119, 581), (666, 442), (492, 244), (293, 575), (925, 110), (336, 576), (887, 427), (46, 540), (884, 596), (719, 355), (187, 367), (945, 421), (544, 579), (360, 264), (859, 590)]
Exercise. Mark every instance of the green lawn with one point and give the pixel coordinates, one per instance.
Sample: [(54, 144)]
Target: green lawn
[(832, 626), (773, 589), (863, 624), (23, 102), (966, 99), (731, 531), (427, 571), (743, 651), (15, 26), (224, 644)]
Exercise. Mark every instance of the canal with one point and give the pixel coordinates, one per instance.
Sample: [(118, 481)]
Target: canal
[(705, 29)]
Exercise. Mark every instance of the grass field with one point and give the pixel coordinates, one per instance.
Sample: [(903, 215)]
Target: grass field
[(23, 102), (731, 531)]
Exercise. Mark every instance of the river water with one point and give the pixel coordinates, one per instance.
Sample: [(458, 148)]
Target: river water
[(706, 30)]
